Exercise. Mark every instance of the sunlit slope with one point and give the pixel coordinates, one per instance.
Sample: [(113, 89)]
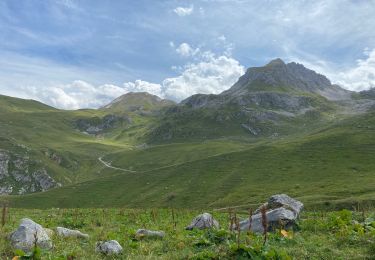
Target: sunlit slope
[(331, 167)]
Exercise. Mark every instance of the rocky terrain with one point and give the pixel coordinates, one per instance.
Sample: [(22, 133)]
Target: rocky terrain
[(19, 175)]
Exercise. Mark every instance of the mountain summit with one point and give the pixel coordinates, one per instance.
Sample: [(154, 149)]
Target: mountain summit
[(279, 76)]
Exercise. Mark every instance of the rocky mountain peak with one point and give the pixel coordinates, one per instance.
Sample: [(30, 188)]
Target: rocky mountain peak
[(290, 77), (276, 62)]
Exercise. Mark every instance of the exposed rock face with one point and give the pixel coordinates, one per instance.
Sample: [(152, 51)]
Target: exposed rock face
[(203, 221), (19, 175), (98, 125), (65, 232), (282, 211), (111, 247), (144, 233), (29, 233)]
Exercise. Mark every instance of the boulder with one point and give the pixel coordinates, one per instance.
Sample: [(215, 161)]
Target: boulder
[(203, 221), (144, 233), (65, 232), (49, 232), (111, 247), (282, 211), (28, 234)]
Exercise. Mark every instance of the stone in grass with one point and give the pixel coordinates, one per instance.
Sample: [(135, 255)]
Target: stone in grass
[(203, 221), (111, 247), (145, 233), (65, 232), (28, 234), (282, 211)]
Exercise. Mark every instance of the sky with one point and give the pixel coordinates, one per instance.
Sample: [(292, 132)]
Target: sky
[(84, 53)]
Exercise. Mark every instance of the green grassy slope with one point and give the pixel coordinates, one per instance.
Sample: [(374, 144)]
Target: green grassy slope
[(331, 167)]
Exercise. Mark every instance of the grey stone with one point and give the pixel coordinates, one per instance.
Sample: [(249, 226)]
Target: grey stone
[(282, 211), (28, 234), (65, 232), (111, 247), (145, 233), (203, 221)]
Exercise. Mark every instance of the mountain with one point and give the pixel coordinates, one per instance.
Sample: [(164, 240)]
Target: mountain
[(265, 101), (137, 102), (280, 128)]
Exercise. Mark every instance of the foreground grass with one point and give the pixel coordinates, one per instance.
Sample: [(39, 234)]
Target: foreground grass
[(321, 235)]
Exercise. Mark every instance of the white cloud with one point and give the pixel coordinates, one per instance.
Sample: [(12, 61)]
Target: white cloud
[(211, 75), (362, 76), (78, 94), (184, 11), (186, 50), (144, 86)]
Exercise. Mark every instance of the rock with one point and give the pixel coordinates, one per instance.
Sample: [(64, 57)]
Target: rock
[(49, 232), (144, 233), (65, 232), (111, 247), (203, 221), (29, 233), (282, 211)]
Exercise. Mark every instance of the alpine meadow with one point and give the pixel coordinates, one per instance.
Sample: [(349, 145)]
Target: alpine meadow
[(217, 161)]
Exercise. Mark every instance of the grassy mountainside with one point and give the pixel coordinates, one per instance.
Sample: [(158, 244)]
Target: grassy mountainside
[(332, 167)]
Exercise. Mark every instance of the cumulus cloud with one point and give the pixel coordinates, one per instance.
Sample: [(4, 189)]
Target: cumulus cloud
[(186, 50), (213, 74), (362, 76), (184, 11), (144, 86), (78, 94)]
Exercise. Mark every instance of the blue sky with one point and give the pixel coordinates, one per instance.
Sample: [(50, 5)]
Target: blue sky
[(83, 53)]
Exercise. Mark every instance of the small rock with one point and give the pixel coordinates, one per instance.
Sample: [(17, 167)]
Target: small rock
[(65, 232), (144, 233), (26, 234), (203, 221), (111, 247)]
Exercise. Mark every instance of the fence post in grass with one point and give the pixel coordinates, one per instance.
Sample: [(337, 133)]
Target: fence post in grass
[(173, 219), (4, 214), (264, 224)]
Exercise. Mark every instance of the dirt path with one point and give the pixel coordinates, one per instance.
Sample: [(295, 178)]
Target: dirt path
[(108, 165)]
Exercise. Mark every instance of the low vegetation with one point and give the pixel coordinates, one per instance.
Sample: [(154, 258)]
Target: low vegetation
[(320, 235)]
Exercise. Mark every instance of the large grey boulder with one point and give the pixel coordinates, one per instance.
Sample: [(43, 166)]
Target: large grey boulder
[(28, 234), (65, 232), (282, 211), (145, 233), (111, 247), (203, 221)]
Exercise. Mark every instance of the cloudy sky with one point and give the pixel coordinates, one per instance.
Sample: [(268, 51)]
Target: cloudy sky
[(84, 53)]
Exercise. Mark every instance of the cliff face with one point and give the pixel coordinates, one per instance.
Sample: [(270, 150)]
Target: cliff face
[(19, 174)]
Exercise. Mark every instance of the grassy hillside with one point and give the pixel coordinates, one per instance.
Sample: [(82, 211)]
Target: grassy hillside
[(332, 167)]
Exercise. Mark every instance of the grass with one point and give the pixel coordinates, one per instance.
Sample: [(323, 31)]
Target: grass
[(319, 168), (321, 235)]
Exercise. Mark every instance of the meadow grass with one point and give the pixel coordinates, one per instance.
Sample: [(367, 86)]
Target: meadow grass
[(320, 235)]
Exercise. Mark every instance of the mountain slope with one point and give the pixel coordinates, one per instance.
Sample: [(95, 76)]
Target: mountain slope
[(274, 100), (331, 167)]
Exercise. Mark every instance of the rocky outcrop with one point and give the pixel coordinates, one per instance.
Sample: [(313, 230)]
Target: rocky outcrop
[(145, 233), (28, 235), (281, 211), (65, 232), (203, 221), (111, 247), (96, 125), (19, 174)]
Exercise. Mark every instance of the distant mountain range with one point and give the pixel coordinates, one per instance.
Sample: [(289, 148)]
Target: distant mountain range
[(42, 147)]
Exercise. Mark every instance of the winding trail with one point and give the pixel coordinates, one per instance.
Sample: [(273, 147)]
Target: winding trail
[(108, 165)]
